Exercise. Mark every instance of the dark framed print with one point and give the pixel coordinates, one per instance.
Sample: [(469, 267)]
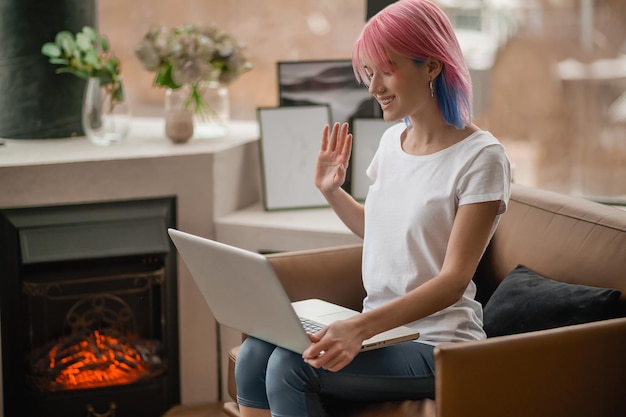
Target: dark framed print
[(290, 139), (329, 82)]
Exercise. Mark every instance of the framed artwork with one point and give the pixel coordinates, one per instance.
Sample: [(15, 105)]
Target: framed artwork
[(366, 134), (329, 82), (290, 139)]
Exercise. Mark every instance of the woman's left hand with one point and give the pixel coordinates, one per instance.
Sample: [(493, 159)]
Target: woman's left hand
[(334, 346)]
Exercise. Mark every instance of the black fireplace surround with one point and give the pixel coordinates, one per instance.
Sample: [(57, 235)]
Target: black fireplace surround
[(88, 306)]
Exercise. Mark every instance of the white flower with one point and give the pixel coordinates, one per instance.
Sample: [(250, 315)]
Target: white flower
[(190, 71), (191, 54), (154, 48)]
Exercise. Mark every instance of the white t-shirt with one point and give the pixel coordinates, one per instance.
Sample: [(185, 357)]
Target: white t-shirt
[(409, 212)]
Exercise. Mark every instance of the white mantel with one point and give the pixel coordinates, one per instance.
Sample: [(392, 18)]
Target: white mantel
[(216, 183)]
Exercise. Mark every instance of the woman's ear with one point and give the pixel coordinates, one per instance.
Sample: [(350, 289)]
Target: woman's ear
[(434, 67)]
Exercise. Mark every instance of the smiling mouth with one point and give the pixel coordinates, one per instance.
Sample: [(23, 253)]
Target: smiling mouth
[(385, 101)]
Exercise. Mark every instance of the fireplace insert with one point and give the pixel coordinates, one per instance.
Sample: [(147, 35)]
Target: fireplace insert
[(88, 305)]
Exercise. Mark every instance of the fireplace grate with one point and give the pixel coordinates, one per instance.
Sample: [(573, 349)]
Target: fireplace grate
[(100, 344)]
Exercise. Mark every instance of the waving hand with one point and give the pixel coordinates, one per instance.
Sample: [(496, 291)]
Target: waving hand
[(333, 158)]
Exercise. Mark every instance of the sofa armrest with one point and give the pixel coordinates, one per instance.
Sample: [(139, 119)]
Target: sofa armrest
[(331, 274), (570, 371)]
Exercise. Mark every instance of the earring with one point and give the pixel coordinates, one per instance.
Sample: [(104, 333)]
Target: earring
[(432, 89)]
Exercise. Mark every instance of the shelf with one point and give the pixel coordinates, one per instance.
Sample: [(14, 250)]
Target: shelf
[(146, 139), (258, 230)]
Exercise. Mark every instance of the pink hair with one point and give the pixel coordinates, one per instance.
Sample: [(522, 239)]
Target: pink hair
[(418, 29)]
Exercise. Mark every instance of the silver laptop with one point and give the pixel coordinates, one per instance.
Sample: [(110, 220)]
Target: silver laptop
[(244, 293)]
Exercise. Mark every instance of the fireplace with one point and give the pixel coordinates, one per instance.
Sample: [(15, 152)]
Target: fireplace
[(88, 303)]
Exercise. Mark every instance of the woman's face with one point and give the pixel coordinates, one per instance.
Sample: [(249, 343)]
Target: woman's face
[(402, 91)]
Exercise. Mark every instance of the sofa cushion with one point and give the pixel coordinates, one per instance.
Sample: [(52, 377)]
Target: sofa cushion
[(526, 301)]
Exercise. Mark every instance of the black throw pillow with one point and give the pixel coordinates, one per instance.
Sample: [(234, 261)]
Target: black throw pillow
[(525, 301)]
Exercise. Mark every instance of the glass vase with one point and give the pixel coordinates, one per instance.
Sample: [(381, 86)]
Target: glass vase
[(179, 124), (106, 116), (211, 121), (198, 112)]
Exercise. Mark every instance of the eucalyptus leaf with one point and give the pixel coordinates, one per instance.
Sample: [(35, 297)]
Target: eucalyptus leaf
[(51, 49), (110, 68), (104, 44), (61, 36), (68, 45), (112, 65), (84, 42), (59, 61), (90, 33), (104, 76), (80, 73), (91, 58)]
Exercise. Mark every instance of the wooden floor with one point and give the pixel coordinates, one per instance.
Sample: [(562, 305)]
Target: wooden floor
[(205, 410)]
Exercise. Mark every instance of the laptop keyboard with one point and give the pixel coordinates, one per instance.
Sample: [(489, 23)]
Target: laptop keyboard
[(310, 326)]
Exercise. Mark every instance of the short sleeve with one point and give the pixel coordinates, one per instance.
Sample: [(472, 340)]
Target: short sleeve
[(487, 178)]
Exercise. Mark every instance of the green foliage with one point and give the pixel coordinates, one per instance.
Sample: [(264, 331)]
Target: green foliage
[(86, 55), (164, 78)]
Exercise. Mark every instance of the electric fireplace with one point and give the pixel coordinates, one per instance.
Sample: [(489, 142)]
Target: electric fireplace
[(88, 304)]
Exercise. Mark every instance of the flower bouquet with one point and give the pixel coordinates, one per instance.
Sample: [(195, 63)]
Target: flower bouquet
[(192, 56)]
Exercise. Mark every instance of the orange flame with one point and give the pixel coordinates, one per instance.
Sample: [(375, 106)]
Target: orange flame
[(98, 361)]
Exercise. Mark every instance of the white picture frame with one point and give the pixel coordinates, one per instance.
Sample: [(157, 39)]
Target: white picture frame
[(290, 139), (366, 134)]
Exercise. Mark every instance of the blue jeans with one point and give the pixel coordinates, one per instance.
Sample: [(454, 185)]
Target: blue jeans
[(269, 377)]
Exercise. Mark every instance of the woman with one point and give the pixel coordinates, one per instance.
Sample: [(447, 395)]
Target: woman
[(439, 185)]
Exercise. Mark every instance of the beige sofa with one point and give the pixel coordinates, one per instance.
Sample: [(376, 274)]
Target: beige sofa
[(573, 370)]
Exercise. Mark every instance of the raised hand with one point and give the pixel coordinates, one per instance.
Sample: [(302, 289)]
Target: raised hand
[(333, 158)]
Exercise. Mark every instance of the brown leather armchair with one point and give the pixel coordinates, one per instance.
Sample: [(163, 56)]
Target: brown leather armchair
[(577, 370)]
